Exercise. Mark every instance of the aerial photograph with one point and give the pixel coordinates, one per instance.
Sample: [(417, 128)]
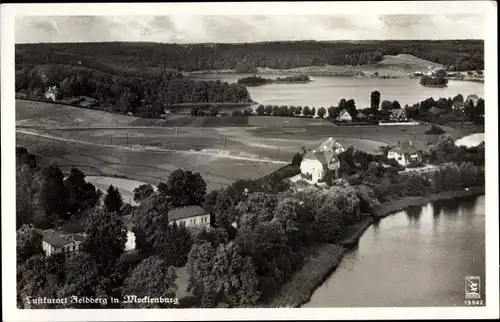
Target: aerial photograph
[(250, 161)]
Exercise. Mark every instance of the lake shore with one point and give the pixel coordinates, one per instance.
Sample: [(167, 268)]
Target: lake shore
[(325, 258), (391, 207)]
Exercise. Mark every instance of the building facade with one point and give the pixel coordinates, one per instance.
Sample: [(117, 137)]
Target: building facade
[(405, 153), (315, 165), (344, 116), (56, 241), (189, 217)]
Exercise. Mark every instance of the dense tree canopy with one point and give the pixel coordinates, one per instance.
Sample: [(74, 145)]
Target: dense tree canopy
[(29, 243), (153, 278), (184, 188), (461, 54), (105, 238), (142, 192)]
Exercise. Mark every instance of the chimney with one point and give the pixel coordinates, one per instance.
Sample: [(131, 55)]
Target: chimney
[(411, 143)]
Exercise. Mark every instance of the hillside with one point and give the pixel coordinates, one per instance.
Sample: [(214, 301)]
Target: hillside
[(246, 57)]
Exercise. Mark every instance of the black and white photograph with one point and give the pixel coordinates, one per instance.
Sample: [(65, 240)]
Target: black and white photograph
[(208, 161)]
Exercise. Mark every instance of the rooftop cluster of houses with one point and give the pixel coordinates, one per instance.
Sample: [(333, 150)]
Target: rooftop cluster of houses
[(397, 115), (66, 241), (316, 163)]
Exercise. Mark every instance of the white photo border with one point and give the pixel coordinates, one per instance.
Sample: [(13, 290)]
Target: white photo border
[(8, 13)]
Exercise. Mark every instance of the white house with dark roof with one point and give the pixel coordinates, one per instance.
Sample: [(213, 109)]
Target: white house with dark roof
[(57, 241), (344, 116), (315, 164), (190, 217), (405, 153)]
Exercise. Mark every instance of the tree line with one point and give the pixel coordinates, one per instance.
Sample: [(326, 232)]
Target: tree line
[(246, 57), (143, 96)]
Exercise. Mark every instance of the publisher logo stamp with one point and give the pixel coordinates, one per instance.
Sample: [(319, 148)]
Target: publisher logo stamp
[(472, 287)]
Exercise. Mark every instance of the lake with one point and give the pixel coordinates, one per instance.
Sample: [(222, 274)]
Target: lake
[(417, 257), (325, 91), (471, 140)]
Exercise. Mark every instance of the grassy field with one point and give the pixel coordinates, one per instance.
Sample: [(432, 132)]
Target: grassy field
[(147, 166), (31, 113), (395, 66)]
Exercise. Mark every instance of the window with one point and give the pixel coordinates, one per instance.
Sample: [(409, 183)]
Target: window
[(73, 247), (194, 221)]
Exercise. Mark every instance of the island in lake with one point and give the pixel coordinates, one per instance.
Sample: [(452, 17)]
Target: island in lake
[(433, 81), (259, 80)]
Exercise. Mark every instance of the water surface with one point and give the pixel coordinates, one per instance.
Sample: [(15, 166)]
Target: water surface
[(328, 90), (417, 257)]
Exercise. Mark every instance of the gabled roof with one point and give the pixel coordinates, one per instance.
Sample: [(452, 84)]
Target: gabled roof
[(397, 112), (330, 145), (343, 112), (360, 115), (185, 212), (58, 239), (324, 158)]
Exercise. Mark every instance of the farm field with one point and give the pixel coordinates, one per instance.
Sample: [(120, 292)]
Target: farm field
[(147, 166)]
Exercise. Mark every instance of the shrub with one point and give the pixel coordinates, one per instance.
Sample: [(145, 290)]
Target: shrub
[(436, 130)]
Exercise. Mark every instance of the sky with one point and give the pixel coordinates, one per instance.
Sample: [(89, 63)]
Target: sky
[(231, 28)]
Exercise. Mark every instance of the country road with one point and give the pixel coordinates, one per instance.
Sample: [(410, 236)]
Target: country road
[(149, 149)]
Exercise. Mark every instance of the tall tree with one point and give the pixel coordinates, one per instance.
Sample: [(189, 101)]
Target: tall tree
[(81, 194), (375, 100), (113, 200), (153, 278), (321, 112), (53, 194), (235, 275), (29, 243), (150, 221), (142, 192), (184, 188), (35, 280), (82, 280), (105, 239)]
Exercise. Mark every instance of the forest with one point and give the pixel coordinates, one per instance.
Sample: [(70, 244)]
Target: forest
[(142, 96), (246, 57)]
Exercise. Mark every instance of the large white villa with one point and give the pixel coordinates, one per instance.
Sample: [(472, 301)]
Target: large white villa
[(316, 163)]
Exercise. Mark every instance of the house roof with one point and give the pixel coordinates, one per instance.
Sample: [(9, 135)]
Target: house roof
[(57, 238), (360, 115), (397, 112), (344, 112), (185, 212), (329, 145), (405, 147), (324, 158)]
